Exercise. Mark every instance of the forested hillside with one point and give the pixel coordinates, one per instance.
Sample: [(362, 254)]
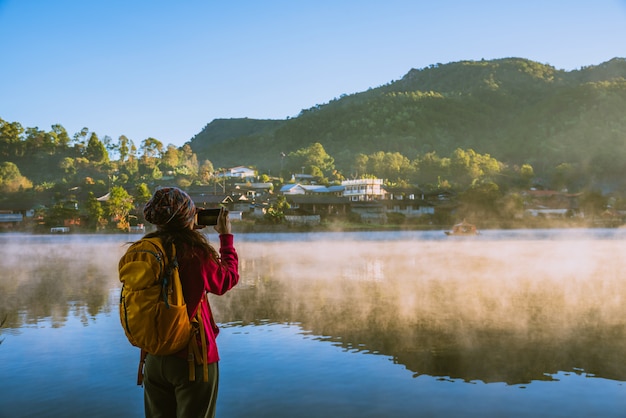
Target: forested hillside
[(562, 123), (487, 131)]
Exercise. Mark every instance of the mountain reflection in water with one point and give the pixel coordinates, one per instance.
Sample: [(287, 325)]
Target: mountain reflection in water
[(484, 309)]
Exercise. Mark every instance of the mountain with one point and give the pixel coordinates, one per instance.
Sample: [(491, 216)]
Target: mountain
[(223, 130), (517, 110)]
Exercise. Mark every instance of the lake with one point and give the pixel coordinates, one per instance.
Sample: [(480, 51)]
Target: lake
[(521, 323)]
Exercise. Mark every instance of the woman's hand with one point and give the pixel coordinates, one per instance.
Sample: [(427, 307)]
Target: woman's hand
[(223, 223)]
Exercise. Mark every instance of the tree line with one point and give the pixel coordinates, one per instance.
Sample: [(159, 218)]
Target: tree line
[(64, 177)]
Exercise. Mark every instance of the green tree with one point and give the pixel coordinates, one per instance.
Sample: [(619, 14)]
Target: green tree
[(359, 166), (132, 150), (313, 160), (38, 141), (188, 162), (123, 147), (11, 180), (142, 194), (68, 166), (11, 144), (431, 168), (171, 158), (526, 174), (150, 159), (96, 152), (152, 148), (156, 174), (62, 137), (481, 199), (61, 212), (79, 141), (276, 212), (206, 171), (131, 167), (119, 206), (109, 145), (467, 167), (392, 166), (95, 212)]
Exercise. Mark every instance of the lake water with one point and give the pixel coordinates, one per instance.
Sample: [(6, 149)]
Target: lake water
[(364, 324)]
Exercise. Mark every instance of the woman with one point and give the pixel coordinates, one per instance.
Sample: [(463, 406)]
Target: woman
[(168, 391)]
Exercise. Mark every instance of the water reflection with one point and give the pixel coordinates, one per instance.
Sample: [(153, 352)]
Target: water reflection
[(496, 310), (48, 279)]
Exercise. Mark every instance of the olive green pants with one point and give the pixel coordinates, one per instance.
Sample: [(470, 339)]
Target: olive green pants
[(168, 393)]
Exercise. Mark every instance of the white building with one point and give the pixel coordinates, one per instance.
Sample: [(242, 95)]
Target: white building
[(237, 172), (363, 190)]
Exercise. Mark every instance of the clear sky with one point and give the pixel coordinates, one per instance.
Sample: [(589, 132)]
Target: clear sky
[(165, 69)]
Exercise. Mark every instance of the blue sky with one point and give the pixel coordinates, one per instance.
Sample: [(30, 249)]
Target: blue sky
[(165, 69)]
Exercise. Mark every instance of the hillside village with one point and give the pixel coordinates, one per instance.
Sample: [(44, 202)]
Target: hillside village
[(505, 143), (306, 204), (370, 201)]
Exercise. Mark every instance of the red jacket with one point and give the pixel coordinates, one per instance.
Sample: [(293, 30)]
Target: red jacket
[(199, 275)]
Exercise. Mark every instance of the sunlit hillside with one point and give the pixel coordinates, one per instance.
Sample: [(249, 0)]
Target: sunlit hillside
[(514, 109)]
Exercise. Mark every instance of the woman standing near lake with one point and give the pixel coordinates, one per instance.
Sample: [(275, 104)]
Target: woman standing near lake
[(168, 391)]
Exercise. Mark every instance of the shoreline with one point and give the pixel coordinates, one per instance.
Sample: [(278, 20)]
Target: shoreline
[(255, 227)]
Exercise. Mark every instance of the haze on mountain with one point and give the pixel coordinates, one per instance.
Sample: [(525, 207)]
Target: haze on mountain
[(516, 110)]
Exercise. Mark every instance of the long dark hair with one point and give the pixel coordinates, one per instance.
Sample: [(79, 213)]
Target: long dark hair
[(184, 238)]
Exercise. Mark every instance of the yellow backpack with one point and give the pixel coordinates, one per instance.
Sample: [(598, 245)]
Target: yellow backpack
[(153, 311)]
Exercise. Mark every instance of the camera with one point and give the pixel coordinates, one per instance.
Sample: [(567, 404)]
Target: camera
[(207, 216)]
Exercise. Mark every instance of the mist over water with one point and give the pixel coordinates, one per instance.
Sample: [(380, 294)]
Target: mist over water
[(44, 277), (497, 310), (512, 307)]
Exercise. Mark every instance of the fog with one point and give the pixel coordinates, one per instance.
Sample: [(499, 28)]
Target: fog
[(509, 311), (490, 309), (497, 284), (47, 277)]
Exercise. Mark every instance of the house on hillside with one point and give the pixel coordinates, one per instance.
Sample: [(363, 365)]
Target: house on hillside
[(363, 190), (443, 202), (551, 203), (10, 220), (254, 190), (237, 172), (17, 213), (322, 205), (240, 203), (409, 202), (370, 211), (311, 189), (292, 189)]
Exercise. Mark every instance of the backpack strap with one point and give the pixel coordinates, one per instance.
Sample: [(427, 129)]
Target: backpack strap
[(205, 354), (168, 278), (196, 356), (142, 361)]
